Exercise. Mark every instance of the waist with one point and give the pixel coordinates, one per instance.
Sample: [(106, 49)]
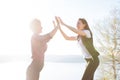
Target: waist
[(38, 57)]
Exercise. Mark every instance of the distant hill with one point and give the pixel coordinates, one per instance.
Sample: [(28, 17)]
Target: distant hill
[(48, 58), (64, 58)]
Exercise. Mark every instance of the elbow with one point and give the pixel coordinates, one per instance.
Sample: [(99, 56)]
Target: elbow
[(67, 38)]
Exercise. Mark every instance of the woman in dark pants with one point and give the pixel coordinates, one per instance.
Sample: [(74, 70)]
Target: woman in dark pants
[(85, 40)]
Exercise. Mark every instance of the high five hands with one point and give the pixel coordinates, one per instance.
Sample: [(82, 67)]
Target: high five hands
[(58, 21)]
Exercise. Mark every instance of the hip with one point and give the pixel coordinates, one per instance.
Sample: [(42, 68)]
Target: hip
[(36, 65)]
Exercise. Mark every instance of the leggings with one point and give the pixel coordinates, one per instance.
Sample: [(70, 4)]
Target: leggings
[(91, 68), (33, 70)]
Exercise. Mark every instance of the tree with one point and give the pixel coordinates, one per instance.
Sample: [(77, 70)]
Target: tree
[(109, 41)]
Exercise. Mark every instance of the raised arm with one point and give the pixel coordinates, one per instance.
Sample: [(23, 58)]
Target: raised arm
[(52, 33), (64, 35), (79, 32)]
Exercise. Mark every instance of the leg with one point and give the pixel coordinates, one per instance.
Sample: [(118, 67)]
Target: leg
[(91, 68), (33, 71)]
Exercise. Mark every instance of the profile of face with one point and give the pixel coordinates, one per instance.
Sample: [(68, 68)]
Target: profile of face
[(36, 26), (80, 25)]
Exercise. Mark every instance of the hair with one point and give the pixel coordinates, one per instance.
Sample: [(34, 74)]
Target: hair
[(33, 23), (86, 25), (84, 22)]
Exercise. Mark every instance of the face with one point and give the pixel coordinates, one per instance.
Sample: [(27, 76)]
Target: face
[(80, 25), (37, 28)]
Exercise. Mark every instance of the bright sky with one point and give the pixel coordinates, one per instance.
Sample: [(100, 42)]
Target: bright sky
[(15, 17)]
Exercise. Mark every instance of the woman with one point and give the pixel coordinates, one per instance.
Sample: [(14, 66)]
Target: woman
[(85, 40), (38, 46)]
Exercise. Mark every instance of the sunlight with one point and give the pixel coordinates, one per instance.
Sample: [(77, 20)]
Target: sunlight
[(14, 29), (15, 34), (16, 17)]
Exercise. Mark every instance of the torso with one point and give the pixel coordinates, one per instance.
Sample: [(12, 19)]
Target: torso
[(39, 46), (85, 52)]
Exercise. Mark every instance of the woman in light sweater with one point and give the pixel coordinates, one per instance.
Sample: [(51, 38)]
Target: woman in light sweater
[(38, 48)]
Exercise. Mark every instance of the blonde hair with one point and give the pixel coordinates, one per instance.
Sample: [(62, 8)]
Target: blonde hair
[(33, 25)]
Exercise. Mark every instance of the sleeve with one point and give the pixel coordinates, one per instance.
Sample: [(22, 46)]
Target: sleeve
[(88, 35)]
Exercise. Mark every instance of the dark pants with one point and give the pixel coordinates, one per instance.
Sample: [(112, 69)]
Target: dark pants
[(33, 70), (91, 68)]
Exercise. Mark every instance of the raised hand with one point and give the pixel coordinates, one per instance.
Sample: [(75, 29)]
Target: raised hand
[(60, 20), (58, 23), (57, 20), (54, 24)]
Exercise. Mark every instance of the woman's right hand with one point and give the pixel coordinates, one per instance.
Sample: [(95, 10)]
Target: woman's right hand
[(57, 21), (60, 20), (54, 24)]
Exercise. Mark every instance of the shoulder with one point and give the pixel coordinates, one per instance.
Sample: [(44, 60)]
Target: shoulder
[(36, 37), (88, 33)]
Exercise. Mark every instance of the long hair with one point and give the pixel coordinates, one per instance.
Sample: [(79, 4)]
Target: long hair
[(86, 25), (84, 22)]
